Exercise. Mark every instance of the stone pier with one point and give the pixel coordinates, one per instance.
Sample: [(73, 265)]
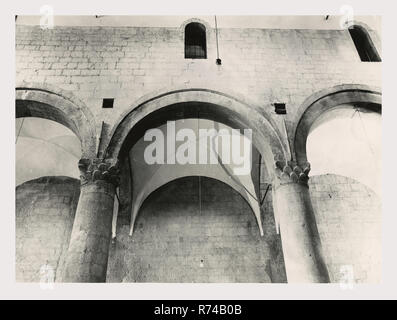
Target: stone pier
[(304, 261), (87, 256)]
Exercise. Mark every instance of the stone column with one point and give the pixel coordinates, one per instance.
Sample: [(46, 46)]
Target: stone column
[(304, 261), (87, 256)]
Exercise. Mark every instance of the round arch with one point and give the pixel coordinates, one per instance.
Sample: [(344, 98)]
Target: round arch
[(208, 28), (361, 95), (144, 193), (193, 103), (245, 196), (48, 102)]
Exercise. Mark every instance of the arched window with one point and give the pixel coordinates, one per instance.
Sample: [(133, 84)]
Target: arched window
[(195, 41), (364, 45)]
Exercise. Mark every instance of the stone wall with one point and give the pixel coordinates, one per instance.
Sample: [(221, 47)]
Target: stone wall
[(171, 237), (349, 221), (45, 209), (131, 64), (175, 241)]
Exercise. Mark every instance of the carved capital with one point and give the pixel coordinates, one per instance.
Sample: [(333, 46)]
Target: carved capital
[(98, 169), (289, 171)]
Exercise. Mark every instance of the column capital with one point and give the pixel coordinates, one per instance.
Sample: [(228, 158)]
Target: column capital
[(291, 172), (98, 169)]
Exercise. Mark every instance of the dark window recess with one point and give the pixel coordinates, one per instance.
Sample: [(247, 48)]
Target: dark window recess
[(364, 45), (280, 108), (195, 41), (107, 103)]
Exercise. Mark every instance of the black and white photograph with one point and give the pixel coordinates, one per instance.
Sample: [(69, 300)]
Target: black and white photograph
[(218, 149), (179, 149)]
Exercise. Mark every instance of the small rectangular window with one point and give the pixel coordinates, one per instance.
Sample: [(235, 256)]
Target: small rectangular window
[(107, 103), (280, 108)]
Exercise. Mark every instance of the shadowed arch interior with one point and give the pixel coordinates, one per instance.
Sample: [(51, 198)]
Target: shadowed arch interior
[(30, 108)]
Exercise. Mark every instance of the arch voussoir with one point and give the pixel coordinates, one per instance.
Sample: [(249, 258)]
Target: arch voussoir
[(215, 106), (325, 100), (37, 101)]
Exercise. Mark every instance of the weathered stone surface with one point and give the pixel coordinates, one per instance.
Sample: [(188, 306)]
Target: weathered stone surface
[(45, 210), (87, 256), (92, 170), (303, 256), (173, 236), (348, 216), (42, 100), (132, 65), (289, 171)]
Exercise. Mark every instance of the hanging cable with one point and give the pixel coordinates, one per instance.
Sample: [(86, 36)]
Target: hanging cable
[(199, 180), (259, 172), (365, 131), (357, 110), (19, 131), (264, 196), (199, 177), (218, 61)]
